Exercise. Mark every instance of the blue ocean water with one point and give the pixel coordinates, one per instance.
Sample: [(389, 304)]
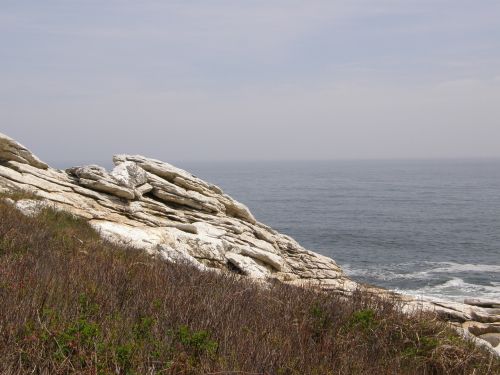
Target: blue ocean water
[(420, 227)]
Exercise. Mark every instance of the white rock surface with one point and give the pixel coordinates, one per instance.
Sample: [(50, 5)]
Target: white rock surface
[(11, 150), (152, 205)]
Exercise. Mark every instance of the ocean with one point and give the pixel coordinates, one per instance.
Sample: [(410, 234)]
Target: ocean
[(426, 228)]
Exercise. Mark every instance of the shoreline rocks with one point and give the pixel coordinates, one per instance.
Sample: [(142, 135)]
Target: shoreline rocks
[(164, 210)]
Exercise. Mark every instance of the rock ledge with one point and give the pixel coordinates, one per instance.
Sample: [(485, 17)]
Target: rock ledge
[(154, 206)]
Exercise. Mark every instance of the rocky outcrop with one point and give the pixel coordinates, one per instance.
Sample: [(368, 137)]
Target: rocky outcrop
[(11, 150), (165, 210), (154, 206), (474, 319)]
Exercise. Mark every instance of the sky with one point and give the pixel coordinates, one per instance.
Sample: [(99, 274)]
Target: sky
[(189, 80)]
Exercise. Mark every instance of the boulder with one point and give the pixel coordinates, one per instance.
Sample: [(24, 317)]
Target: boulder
[(97, 178), (478, 329), (484, 316), (129, 174)]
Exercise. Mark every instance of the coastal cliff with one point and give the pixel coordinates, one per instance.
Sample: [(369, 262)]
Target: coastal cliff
[(168, 212)]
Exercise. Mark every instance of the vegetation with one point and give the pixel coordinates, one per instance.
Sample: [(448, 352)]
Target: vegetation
[(71, 303)]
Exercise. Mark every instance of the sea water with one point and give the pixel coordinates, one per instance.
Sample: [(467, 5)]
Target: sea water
[(427, 228)]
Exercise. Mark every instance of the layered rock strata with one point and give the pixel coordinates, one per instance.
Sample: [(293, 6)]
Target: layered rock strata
[(164, 210)]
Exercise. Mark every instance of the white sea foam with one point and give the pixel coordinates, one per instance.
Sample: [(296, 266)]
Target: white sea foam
[(383, 274), (450, 267), (455, 289), (396, 271), (443, 280)]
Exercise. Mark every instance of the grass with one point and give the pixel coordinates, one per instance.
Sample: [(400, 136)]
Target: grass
[(71, 303)]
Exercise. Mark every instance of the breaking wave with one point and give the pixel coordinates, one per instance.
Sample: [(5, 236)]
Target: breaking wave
[(444, 280), (455, 289)]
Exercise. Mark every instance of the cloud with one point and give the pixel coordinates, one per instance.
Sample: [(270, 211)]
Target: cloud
[(262, 122), (257, 79)]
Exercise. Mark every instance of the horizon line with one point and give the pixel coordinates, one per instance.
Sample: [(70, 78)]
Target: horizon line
[(313, 160)]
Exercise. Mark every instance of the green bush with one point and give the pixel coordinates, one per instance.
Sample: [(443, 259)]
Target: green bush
[(196, 342), (364, 319)]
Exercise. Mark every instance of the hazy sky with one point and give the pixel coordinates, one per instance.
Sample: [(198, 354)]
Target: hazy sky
[(243, 80)]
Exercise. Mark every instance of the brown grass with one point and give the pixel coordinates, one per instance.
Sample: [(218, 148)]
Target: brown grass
[(71, 303)]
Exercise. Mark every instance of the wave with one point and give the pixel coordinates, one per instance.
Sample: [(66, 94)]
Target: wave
[(455, 289), (397, 271), (444, 280), (450, 267), (382, 274)]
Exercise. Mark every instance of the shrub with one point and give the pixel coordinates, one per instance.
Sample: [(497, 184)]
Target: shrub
[(72, 303)]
